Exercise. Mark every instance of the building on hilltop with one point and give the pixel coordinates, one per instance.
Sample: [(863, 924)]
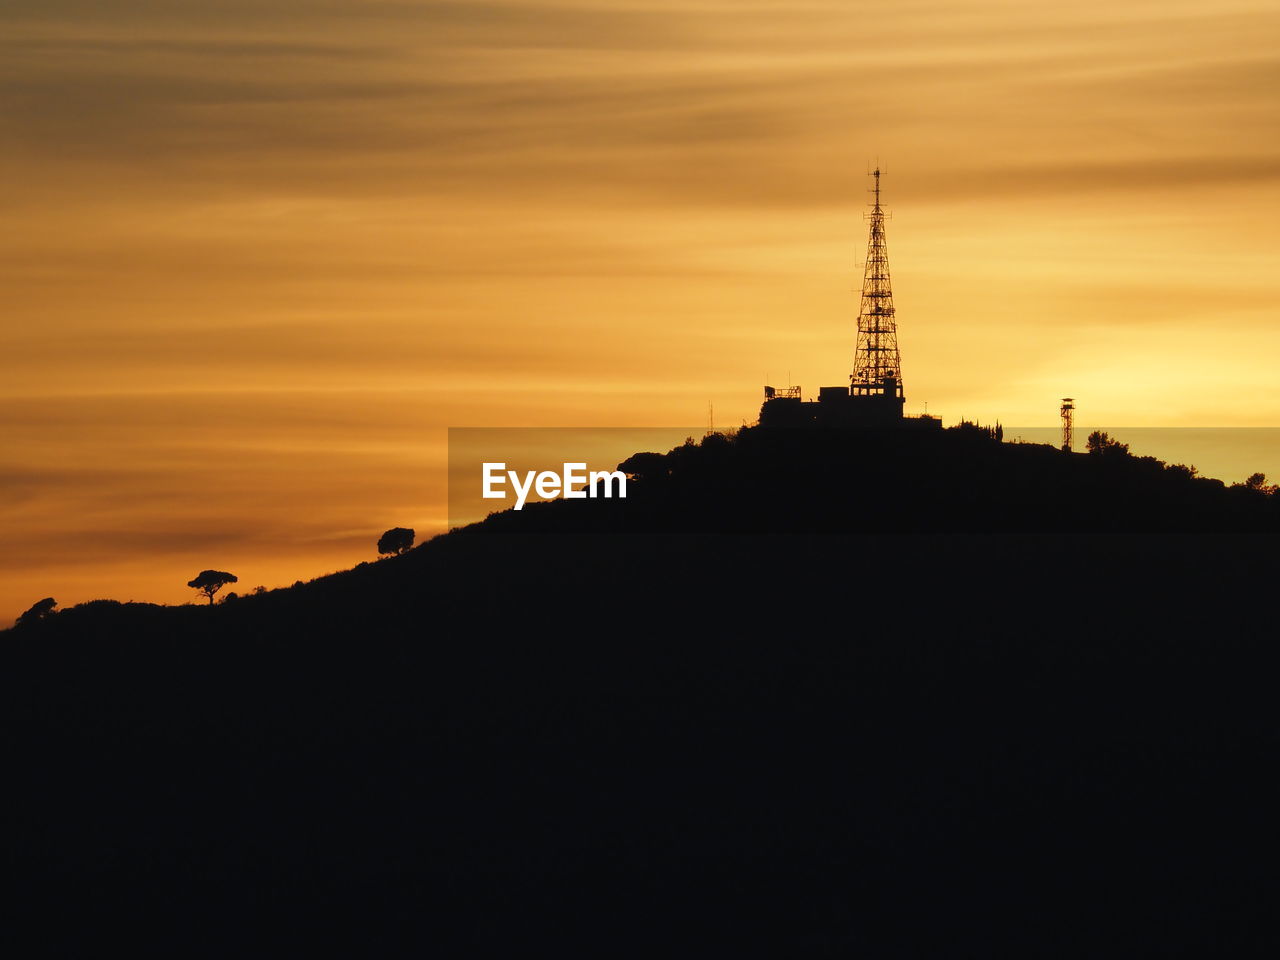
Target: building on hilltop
[(874, 396)]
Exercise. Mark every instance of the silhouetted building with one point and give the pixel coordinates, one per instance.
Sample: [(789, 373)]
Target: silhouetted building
[(841, 407)]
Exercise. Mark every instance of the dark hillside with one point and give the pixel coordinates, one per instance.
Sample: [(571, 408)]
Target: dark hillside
[(958, 480), (664, 725)]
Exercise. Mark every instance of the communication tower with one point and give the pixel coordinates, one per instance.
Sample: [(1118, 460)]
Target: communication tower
[(877, 366)]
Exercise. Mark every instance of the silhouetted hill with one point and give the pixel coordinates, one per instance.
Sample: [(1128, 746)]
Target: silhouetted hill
[(958, 480), (669, 724)]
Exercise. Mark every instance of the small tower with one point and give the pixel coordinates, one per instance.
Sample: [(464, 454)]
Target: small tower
[(877, 367), (1068, 424)]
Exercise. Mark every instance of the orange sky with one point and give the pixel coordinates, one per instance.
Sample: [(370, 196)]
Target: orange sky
[(260, 255)]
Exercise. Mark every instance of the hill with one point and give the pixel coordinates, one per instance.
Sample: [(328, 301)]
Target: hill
[(729, 713), (961, 480)]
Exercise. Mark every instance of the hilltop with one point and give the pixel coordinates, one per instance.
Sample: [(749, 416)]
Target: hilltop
[(804, 489), (670, 723), (825, 483), (867, 481)]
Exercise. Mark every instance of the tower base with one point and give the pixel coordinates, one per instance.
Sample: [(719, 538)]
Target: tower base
[(863, 405)]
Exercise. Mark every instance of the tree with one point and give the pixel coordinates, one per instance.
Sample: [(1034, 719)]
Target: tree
[(396, 541), (1256, 483), (1100, 443), (644, 465), (210, 582), (38, 611)]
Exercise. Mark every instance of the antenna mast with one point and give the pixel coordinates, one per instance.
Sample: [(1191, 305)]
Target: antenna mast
[(877, 365)]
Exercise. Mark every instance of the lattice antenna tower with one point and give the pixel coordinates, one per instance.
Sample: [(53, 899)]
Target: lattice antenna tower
[(876, 362)]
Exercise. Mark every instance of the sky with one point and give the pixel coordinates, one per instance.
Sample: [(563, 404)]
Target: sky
[(260, 256)]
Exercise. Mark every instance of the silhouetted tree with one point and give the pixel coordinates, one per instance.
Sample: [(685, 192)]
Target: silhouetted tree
[(642, 465), (1258, 482), (975, 431), (38, 611), (1100, 443), (210, 582), (396, 541)]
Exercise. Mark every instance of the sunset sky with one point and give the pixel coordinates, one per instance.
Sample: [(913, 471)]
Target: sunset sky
[(259, 256)]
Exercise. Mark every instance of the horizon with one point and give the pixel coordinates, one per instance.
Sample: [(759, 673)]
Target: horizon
[(1208, 449)]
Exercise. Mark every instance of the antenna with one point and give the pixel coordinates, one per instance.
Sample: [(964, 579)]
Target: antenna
[(877, 364)]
